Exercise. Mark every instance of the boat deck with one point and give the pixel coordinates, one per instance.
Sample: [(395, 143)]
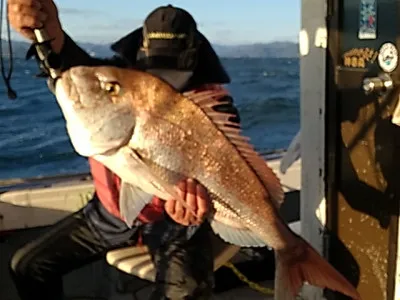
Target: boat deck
[(97, 280), (28, 206)]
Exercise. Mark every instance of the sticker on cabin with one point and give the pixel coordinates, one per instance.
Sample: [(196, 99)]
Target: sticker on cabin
[(367, 21), (388, 57), (359, 57)]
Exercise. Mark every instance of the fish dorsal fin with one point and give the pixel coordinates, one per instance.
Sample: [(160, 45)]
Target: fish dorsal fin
[(206, 100)]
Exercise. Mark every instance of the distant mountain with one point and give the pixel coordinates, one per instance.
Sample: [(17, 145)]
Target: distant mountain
[(19, 48), (274, 49), (261, 50), (99, 50)]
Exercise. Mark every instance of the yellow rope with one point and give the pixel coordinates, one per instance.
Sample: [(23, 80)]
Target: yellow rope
[(252, 285)]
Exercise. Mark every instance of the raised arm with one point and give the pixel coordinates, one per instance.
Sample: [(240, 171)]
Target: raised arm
[(26, 15), (72, 55)]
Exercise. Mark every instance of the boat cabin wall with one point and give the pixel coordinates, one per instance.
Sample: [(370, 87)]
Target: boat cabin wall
[(362, 145)]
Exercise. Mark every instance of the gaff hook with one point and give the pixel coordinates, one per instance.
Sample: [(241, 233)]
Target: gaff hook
[(50, 60)]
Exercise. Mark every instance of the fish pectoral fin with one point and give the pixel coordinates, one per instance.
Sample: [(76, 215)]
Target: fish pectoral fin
[(158, 183), (238, 234), (131, 202)]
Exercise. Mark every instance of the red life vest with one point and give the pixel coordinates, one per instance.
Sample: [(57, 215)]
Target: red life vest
[(107, 186)]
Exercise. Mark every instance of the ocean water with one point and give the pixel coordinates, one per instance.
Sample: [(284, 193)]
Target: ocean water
[(33, 139)]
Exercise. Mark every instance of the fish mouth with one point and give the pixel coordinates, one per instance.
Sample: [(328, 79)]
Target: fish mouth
[(74, 87), (65, 86)]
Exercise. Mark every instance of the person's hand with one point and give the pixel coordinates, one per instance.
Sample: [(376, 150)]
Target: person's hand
[(196, 197), (26, 15)]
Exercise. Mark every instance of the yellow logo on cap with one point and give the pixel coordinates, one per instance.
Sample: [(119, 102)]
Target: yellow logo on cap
[(165, 35), (156, 35)]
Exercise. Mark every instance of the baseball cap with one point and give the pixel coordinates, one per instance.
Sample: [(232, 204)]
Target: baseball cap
[(169, 46), (169, 31)]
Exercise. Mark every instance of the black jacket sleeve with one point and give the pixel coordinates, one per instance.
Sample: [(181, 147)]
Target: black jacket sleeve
[(72, 55)]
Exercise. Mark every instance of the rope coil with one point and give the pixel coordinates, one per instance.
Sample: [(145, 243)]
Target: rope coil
[(253, 285)]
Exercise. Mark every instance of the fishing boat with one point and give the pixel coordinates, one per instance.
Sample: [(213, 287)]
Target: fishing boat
[(29, 206), (347, 179)]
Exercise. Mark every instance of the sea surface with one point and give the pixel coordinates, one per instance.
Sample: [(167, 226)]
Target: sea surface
[(33, 139)]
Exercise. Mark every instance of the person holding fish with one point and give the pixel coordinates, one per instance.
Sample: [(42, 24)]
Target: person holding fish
[(155, 118), (170, 47)]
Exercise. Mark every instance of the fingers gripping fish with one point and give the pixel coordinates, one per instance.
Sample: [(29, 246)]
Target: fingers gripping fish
[(152, 137)]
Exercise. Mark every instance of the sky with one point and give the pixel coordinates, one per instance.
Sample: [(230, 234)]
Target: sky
[(222, 21)]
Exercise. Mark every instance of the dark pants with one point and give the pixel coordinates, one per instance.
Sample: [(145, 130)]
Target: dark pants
[(184, 265)]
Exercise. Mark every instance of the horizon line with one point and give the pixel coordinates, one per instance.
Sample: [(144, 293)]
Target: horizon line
[(22, 40)]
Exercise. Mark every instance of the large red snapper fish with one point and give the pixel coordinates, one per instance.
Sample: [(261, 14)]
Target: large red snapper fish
[(152, 137)]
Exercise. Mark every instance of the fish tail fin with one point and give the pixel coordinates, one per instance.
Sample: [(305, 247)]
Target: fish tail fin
[(303, 263)]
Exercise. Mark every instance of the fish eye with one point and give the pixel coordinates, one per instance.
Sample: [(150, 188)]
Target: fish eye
[(113, 88)]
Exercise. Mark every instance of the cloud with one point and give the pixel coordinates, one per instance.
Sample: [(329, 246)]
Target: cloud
[(76, 11), (122, 24), (102, 32), (202, 24)]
